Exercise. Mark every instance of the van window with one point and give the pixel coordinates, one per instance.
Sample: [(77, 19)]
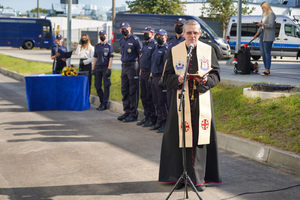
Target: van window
[(249, 29), (291, 30)]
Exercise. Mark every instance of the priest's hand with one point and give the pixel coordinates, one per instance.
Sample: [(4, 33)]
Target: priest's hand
[(202, 80), (180, 79)]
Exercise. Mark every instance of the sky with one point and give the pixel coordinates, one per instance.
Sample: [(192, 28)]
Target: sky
[(24, 5)]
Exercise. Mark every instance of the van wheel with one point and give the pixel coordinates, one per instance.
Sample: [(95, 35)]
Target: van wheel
[(28, 44), (255, 57)]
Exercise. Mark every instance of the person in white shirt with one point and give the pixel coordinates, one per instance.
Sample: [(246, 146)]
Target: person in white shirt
[(86, 52)]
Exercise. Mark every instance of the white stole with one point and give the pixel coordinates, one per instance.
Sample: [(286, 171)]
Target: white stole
[(179, 56)]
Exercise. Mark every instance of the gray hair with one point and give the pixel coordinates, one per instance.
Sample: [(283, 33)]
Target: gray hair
[(191, 22)]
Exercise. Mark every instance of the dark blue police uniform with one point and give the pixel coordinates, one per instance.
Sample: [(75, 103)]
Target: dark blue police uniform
[(159, 57), (60, 64), (146, 93), (103, 52), (130, 50), (174, 41)]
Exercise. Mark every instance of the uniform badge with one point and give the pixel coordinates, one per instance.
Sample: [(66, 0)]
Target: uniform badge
[(204, 64), (105, 54), (179, 65), (129, 50)]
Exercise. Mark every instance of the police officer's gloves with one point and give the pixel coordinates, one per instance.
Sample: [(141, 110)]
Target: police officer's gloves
[(85, 62), (149, 80), (108, 73)]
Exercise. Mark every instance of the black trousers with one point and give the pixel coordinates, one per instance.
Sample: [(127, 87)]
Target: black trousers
[(100, 74), (146, 96), (87, 68), (59, 66), (130, 88)]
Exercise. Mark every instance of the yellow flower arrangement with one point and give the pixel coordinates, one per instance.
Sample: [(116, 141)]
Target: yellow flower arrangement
[(69, 71)]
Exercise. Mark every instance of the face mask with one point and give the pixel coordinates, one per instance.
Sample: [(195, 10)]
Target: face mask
[(160, 40), (102, 38), (84, 41), (178, 29), (146, 36), (125, 32)]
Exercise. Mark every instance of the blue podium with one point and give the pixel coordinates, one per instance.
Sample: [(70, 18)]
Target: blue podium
[(56, 92)]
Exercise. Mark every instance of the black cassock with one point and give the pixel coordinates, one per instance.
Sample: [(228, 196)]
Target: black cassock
[(202, 160)]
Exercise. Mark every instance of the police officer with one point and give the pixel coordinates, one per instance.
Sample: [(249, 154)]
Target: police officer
[(130, 46), (145, 69), (58, 55), (178, 26), (102, 62), (158, 60)]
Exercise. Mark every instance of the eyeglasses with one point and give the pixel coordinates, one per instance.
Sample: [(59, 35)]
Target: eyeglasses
[(191, 33)]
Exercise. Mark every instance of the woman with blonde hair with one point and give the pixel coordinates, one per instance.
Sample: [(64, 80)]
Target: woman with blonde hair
[(266, 33), (86, 52)]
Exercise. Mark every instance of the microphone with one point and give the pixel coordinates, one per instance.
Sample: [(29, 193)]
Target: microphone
[(190, 48)]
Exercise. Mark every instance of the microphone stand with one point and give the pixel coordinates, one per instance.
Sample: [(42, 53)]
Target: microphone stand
[(184, 176)]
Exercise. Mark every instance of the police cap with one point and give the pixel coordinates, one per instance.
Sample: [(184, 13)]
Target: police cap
[(102, 32), (162, 32), (124, 25), (180, 20), (149, 29), (59, 37)]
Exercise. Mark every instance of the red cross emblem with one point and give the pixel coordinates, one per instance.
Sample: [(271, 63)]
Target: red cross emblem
[(187, 126), (204, 124)]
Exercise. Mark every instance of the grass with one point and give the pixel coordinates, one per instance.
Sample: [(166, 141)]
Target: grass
[(275, 122)]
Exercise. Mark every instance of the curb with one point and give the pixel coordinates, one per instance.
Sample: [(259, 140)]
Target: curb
[(284, 160)]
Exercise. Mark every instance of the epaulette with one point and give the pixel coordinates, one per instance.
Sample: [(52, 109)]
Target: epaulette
[(135, 37)]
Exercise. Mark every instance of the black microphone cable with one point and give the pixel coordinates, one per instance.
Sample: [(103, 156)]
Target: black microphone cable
[(263, 191)]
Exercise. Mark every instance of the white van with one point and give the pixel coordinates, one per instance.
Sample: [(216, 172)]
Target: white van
[(287, 35)]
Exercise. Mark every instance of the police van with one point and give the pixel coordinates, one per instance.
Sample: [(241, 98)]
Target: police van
[(287, 35), (138, 22)]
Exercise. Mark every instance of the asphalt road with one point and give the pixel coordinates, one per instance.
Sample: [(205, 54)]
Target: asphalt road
[(284, 71), (63, 155)]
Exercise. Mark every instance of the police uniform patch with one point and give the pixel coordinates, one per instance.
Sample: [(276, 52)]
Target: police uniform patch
[(105, 54), (129, 50), (179, 65)]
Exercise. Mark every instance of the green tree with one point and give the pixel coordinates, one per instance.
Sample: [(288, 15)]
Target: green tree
[(1, 6), (41, 10), (222, 10), (156, 6)]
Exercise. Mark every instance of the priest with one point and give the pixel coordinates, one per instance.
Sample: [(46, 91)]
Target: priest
[(200, 130)]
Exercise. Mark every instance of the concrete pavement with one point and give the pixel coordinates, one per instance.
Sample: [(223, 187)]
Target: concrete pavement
[(91, 155)]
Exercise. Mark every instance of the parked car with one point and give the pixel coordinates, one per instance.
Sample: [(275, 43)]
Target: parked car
[(139, 21), (287, 35)]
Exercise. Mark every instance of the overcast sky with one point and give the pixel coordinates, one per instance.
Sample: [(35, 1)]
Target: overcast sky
[(24, 5)]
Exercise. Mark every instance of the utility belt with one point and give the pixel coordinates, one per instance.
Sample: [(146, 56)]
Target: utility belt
[(100, 66), (156, 74), (129, 63), (145, 70)]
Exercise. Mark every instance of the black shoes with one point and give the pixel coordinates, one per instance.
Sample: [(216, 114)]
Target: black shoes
[(130, 119), (155, 127), (102, 107), (200, 188), (161, 129), (142, 122), (148, 124), (122, 117), (179, 186)]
